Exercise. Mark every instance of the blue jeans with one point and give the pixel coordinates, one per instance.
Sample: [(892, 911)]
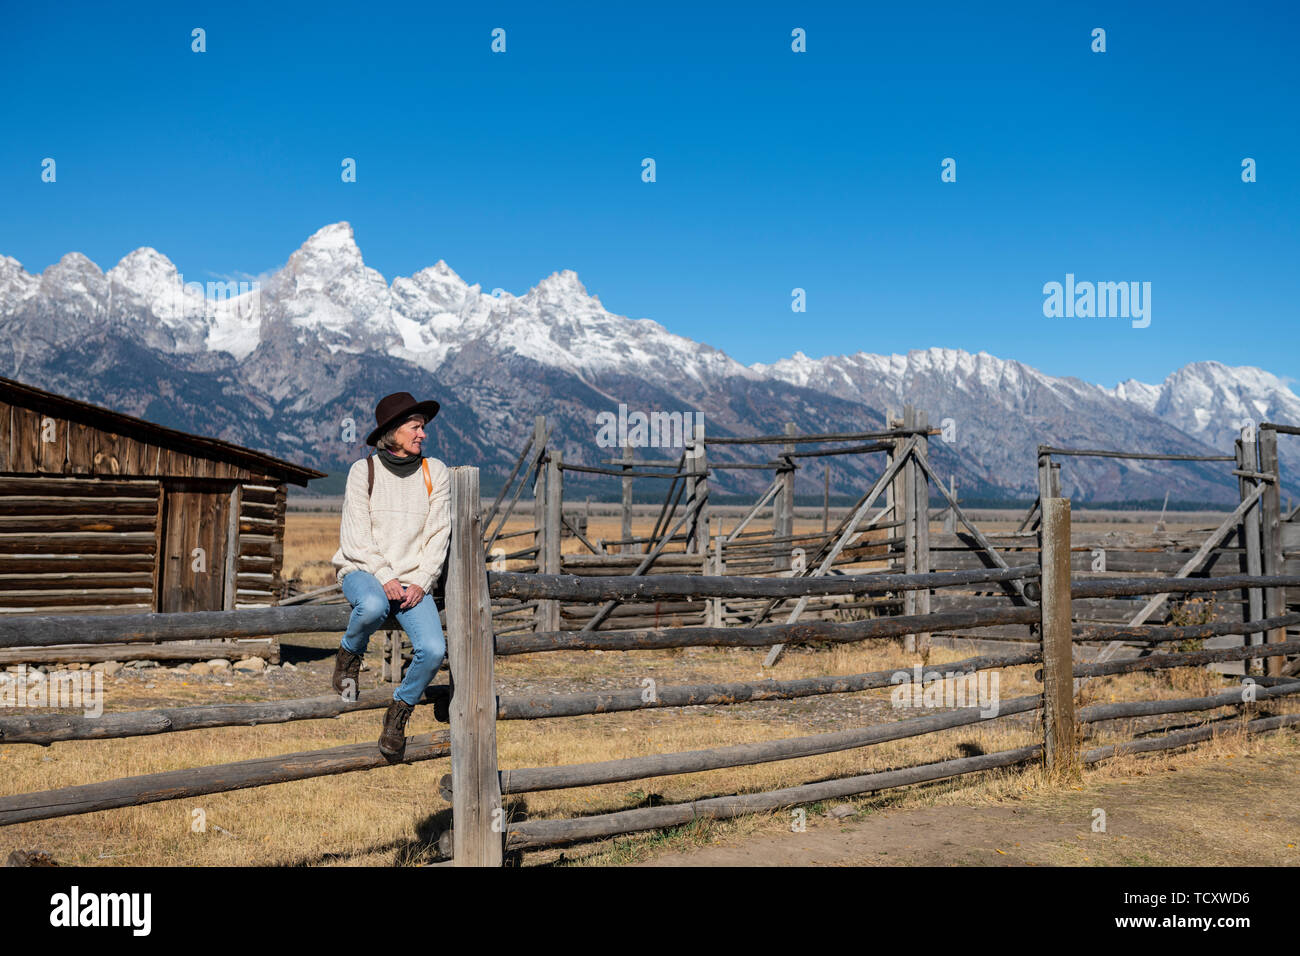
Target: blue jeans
[(371, 607)]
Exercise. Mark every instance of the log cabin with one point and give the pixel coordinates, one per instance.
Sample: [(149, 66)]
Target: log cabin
[(103, 513)]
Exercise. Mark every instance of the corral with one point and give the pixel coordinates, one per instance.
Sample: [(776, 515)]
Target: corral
[(1040, 592)]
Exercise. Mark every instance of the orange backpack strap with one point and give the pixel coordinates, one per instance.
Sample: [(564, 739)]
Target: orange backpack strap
[(428, 482)]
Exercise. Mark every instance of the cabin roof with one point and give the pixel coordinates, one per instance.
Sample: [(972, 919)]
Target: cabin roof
[(95, 416)]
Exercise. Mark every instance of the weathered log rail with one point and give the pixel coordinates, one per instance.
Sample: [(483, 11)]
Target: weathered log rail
[(220, 778), (575, 588), (49, 728)]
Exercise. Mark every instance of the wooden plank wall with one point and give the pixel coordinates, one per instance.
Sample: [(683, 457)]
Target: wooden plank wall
[(77, 545), (91, 545)]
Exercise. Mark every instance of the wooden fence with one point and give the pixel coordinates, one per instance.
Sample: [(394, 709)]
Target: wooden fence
[(483, 833), (1254, 539), (686, 536), (887, 530)]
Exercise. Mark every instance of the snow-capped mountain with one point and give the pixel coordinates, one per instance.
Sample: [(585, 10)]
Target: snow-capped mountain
[(284, 364), (1212, 401)]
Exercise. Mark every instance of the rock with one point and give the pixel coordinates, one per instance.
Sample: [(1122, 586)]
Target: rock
[(181, 668), (841, 811), (201, 669), (219, 664), (146, 665), (30, 858), (289, 667), (107, 668), (251, 665)]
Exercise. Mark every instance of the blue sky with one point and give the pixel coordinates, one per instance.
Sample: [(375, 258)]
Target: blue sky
[(775, 170)]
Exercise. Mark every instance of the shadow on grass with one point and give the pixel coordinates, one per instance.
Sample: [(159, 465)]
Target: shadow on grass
[(420, 848)]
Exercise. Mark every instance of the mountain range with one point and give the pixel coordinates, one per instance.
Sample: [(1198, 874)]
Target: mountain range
[(283, 366)]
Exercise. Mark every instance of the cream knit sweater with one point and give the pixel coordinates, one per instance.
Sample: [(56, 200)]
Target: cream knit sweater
[(401, 531)]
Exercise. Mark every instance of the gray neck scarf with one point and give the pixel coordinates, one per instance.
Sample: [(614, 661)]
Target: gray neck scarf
[(399, 466)]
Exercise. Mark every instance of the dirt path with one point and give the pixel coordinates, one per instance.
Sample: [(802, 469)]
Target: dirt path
[(1243, 811)]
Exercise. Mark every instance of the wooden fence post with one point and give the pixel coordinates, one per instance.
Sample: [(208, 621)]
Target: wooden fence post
[(1270, 510), (1248, 533), (1059, 748), (1044, 480), (390, 670), (548, 557), (539, 485), (627, 502), (715, 604), (891, 491), (950, 516), (906, 496), (542, 525), (826, 498), (783, 508), (697, 533), (921, 491), (478, 821)]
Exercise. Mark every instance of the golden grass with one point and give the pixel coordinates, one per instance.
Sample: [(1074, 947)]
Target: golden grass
[(393, 815)]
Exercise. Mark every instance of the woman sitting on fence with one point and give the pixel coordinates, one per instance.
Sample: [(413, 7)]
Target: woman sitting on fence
[(392, 546)]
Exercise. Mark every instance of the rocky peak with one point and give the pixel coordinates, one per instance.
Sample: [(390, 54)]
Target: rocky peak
[(329, 254), (560, 288), (16, 283), (76, 280)]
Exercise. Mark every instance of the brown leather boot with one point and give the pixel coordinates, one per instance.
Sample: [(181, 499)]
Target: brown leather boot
[(392, 741), (347, 667)]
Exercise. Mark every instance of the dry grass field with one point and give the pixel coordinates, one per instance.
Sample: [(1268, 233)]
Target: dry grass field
[(393, 816)]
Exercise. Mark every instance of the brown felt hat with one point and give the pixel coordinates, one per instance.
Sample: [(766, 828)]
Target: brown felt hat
[(394, 409)]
